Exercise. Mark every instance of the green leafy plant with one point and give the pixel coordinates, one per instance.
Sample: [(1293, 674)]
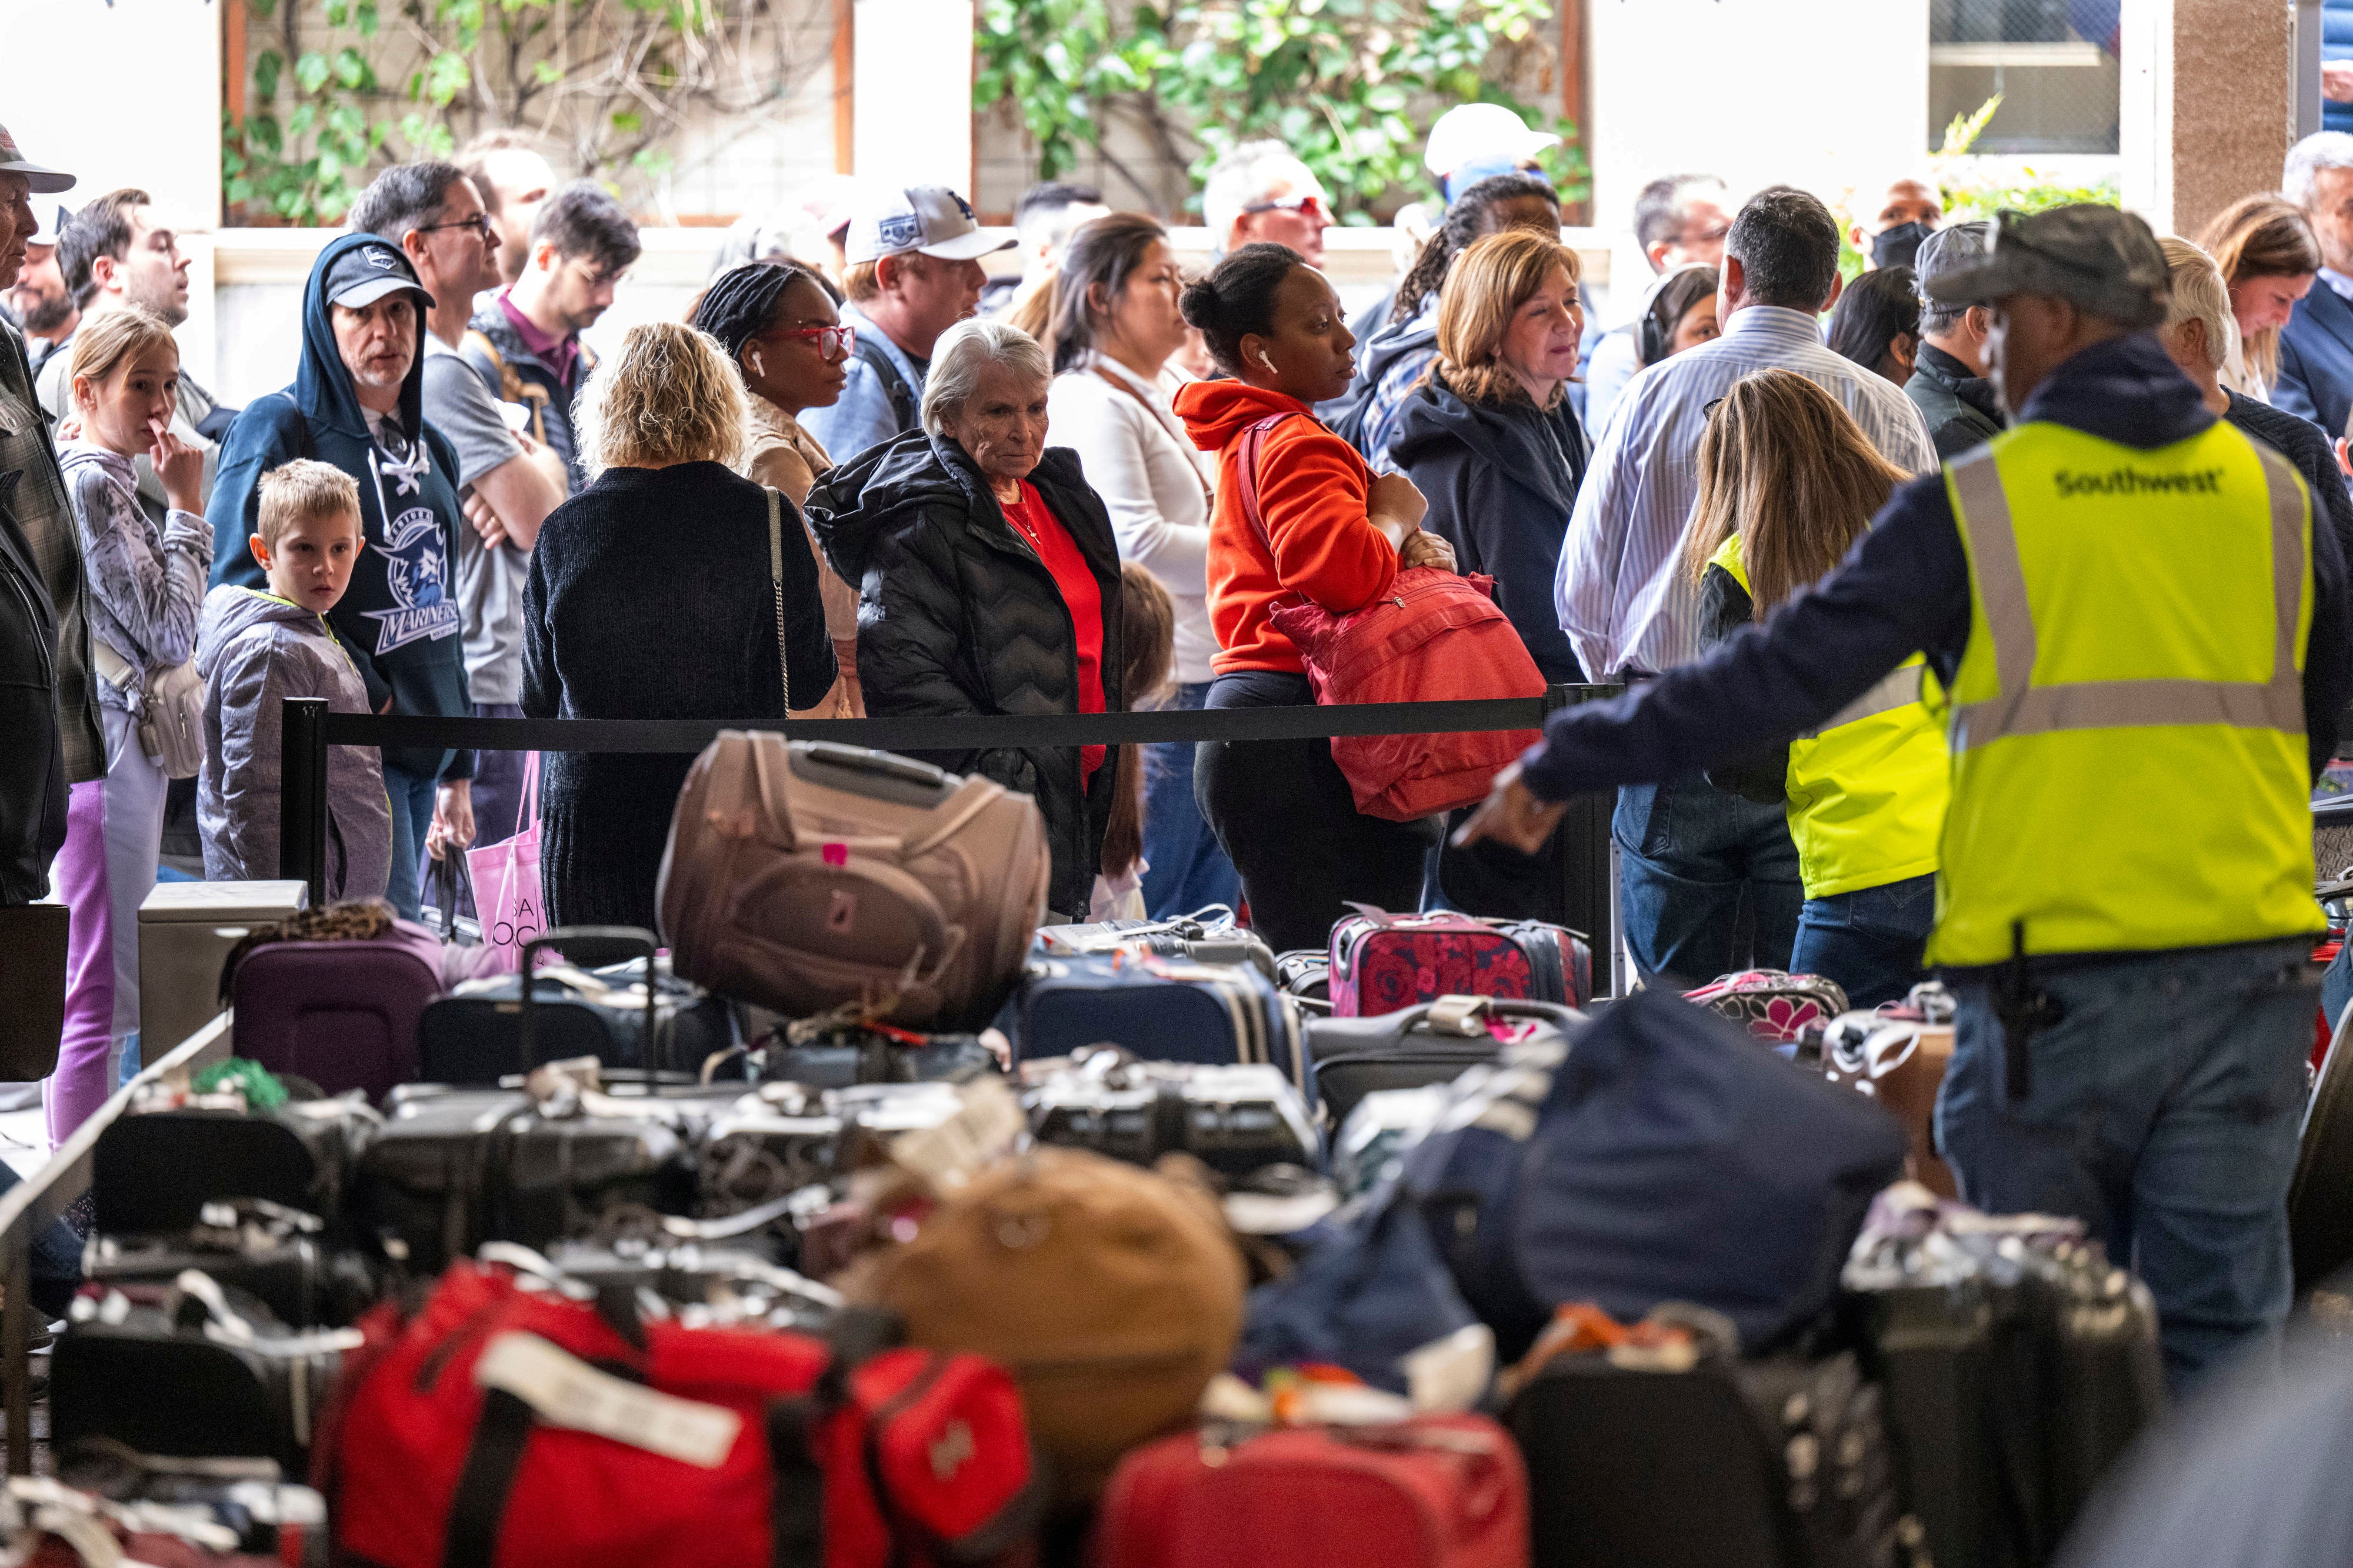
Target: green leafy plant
[(346, 86), (1349, 85)]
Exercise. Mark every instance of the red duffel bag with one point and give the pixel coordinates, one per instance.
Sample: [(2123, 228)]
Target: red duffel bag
[(1438, 636), (500, 1428)]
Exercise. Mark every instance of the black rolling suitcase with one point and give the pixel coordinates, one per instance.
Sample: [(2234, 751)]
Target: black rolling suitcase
[(1235, 1119), (154, 1169), (1306, 974), (766, 1147), (839, 1055), (490, 1029), (190, 1371), (1434, 1042), (278, 1256), (1776, 1464), (1213, 941)]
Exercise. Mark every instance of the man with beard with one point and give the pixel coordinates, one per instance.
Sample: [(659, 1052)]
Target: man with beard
[(525, 345), (357, 401), (39, 296)]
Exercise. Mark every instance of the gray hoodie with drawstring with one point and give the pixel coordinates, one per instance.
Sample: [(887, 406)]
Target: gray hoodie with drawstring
[(254, 649)]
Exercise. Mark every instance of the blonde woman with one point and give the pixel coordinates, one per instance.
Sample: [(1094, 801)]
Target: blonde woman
[(1490, 438), (2201, 335), (651, 597), (1788, 482)]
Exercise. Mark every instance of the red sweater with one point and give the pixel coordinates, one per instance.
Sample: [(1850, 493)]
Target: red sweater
[(1311, 488)]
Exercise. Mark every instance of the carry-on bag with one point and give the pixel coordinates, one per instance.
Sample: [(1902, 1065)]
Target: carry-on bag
[(190, 1370), (1707, 1462), (1381, 962), (339, 1013), (498, 1427), (1661, 1156), (1165, 1009), (1432, 1041), (425, 1187), (1237, 1119), (1772, 1003), (508, 902), (278, 1256), (1437, 1492), (829, 1052), (1435, 636), (494, 1028), (801, 877), (1216, 940), (155, 1168), (1112, 1294)]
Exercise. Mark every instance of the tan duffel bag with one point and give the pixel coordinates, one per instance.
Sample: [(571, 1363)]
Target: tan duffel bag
[(802, 877)]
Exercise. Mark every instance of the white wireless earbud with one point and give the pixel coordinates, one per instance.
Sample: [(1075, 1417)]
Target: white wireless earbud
[(759, 366), (1263, 360)]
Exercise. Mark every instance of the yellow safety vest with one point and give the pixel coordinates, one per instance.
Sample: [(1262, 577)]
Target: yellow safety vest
[(1867, 790), (2129, 761)]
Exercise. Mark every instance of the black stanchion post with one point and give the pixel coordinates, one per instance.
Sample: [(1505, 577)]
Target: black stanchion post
[(15, 1343), (1588, 891), (302, 795)]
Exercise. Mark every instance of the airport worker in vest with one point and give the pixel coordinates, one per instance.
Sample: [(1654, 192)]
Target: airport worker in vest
[(2144, 641)]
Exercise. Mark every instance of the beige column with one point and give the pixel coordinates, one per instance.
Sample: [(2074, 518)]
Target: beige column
[(912, 104), (2209, 105)]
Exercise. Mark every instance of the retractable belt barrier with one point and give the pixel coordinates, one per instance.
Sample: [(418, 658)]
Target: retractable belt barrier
[(1589, 900)]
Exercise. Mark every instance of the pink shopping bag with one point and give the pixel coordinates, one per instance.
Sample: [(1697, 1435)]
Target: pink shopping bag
[(506, 885)]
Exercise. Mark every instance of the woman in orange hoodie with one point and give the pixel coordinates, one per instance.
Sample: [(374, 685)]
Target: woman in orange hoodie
[(1333, 534)]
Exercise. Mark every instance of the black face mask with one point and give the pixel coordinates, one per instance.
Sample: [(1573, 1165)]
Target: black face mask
[(1899, 246)]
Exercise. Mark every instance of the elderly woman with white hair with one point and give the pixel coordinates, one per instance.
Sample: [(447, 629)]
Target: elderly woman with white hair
[(670, 588), (989, 582), (2201, 334)]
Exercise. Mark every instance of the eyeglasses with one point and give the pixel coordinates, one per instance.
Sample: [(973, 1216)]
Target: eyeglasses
[(1707, 410), (829, 339), (480, 223), (1305, 207)]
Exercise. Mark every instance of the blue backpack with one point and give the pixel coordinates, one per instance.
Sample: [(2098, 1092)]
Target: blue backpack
[(1662, 1156)]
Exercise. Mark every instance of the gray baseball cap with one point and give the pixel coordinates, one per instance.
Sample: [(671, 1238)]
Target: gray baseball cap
[(43, 181), (2102, 260)]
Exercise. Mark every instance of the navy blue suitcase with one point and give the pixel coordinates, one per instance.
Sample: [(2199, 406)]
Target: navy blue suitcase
[(1158, 1009)]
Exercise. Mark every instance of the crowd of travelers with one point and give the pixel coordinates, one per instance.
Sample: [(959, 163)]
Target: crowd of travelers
[(1802, 516)]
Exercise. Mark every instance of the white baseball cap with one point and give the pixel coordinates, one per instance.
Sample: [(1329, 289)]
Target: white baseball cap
[(930, 219), (1471, 130)]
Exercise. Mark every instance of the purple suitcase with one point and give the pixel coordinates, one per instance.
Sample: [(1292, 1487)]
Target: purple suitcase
[(340, 1013)]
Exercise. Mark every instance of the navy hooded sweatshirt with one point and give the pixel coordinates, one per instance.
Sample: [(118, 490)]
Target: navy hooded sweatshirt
[(398, 620), (1905, 587)]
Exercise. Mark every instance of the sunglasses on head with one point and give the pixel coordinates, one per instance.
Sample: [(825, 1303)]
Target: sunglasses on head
[(1305, 207)]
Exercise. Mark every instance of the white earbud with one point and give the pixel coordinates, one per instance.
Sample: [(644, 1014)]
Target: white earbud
[(759, 366), (1263, 360)]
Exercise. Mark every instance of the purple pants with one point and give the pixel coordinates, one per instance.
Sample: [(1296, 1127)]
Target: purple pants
[(79, 1085)]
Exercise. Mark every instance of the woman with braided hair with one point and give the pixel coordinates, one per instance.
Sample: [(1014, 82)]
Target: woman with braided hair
[(1402, 352)]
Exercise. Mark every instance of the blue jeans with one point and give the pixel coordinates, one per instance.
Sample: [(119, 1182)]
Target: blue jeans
[(2336, 986), (2163, 1110), (1689, 855), (1869, 941), (1190, 871), (412, 813)]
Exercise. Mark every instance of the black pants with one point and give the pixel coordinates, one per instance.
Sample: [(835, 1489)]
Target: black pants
[(1283, 811)]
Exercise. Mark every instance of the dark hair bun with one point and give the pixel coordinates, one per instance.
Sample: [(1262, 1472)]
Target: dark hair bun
[(1198, 304)]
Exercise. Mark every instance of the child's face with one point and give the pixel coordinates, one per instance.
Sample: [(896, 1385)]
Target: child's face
[(125, 411), (313, 564)]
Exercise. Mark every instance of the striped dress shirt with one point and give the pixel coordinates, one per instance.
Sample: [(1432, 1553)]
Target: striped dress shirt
[(1621, 601)]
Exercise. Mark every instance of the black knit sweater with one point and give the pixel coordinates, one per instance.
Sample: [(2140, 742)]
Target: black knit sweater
[(649, 599)]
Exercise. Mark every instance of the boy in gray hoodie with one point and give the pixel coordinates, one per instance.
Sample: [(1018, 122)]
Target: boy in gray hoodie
[(255, 647)]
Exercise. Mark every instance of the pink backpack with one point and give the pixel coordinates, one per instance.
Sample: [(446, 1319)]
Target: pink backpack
[(1438, 637)]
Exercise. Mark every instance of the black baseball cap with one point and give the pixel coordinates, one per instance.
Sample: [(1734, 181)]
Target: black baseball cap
[(366, 273), (2102, 260)]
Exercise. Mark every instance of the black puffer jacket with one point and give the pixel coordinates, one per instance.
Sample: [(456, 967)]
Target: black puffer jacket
[(32, 759), (957, 614)]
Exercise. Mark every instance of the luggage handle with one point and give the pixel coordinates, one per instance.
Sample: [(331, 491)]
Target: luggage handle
[(635, 936)]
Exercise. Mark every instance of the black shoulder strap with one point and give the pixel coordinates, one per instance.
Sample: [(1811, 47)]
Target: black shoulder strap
[(894, 385)]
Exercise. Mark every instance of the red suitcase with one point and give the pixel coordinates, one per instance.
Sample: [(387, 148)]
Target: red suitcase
[(1438, 1491)]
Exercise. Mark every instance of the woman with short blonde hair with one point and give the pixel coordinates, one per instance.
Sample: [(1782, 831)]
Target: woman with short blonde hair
[(2201, 334), (657, 593), (1488, 436)]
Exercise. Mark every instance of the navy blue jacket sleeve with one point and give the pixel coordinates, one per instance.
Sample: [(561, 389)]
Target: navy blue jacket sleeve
[(2328, 652), (1521, 550), (1902, 589)]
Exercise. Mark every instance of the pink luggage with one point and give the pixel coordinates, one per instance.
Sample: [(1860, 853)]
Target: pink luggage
[(1772, 1003), (1381, 963)]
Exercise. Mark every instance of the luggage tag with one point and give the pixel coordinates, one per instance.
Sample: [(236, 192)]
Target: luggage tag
[(565, 1391), (981, 1131)]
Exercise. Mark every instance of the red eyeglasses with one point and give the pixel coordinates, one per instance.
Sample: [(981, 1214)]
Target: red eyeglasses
[(830, 341)]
